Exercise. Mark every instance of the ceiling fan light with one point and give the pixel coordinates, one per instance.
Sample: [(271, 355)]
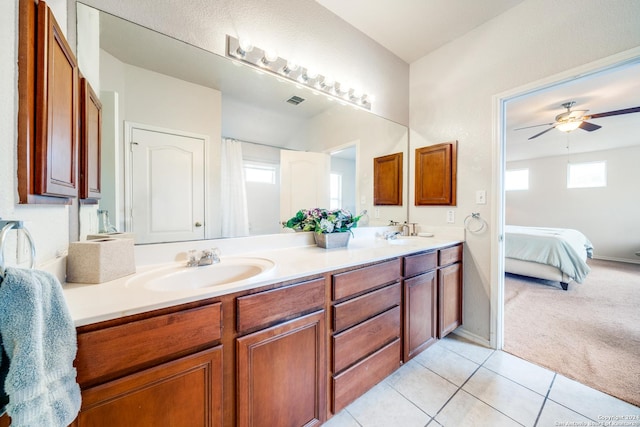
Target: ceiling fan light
[(569, 126)]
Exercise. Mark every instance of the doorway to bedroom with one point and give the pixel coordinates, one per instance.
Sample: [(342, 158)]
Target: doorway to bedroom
[(595, 320)]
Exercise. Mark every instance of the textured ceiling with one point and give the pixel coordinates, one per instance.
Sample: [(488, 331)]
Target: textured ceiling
[(413, 28)]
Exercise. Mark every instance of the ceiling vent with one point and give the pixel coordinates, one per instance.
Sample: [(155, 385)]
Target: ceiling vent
[(295, 100)]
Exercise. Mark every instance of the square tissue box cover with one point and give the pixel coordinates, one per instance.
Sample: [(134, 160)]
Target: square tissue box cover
[(100, 260)]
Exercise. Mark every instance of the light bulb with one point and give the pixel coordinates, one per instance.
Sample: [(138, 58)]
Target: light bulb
[(307, 75), (245, 46), (327, 83), (287, 69), (269, 57), (569, 126)]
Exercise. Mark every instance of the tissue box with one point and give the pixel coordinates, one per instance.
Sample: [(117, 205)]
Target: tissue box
[(100, 260)]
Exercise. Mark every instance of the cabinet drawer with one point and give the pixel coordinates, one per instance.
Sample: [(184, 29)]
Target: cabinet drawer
[(356, 380), (354, 311), (269, 307), (111, 352), (361, 280), (420, 263), (450, 255), (365, 338)]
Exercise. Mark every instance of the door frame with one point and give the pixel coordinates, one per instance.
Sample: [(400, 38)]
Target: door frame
[(129, 126), (496, 327)]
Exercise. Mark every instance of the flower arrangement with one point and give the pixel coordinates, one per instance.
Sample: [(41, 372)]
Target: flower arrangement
[(322, 221)]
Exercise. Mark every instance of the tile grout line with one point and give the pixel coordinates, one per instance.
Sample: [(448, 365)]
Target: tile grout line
[(544, 402)]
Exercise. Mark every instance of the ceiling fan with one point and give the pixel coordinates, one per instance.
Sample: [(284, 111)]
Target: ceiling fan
[(573, 119)]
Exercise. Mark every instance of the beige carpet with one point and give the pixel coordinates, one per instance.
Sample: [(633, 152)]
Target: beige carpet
[(590, 333)]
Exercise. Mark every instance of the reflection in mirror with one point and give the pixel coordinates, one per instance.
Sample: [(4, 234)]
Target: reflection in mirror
[(197, 146)]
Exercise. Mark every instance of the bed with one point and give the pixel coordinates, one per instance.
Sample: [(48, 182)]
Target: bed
[(557, 254)]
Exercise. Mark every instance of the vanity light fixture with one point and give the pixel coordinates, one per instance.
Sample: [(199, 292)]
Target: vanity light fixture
[(245, 52)]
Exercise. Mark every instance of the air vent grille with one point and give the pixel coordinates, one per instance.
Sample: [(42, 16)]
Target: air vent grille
[(295, 100)]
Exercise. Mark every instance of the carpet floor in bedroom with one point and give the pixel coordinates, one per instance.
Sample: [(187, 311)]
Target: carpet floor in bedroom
[(590, 333)]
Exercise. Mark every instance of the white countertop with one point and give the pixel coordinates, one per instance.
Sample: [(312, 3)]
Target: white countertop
[(90, 303)]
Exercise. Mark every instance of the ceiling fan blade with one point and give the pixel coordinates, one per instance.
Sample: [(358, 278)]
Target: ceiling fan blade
[(589, 127), (534, 126), (541, 133), (615, 112)]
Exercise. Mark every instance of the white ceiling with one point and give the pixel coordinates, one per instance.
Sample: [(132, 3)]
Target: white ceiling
[(413, 28)]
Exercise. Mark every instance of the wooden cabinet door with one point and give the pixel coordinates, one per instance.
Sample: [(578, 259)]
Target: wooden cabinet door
[(282, 374), (56, 141), (387, 180), (420, 308), (436, 174), (90, 141), (450, 298), (185, 392)]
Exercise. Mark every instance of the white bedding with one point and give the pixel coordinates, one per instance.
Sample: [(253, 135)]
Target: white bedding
[(563, 249)]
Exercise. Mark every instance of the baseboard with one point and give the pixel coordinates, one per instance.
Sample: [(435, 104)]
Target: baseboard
[(608, 258), (463, 333)]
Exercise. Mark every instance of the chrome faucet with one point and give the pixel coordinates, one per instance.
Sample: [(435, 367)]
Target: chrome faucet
[(405, 229), (207, 257), (391, 235)]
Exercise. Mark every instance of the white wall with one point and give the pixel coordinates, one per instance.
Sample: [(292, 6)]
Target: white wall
[(375, 137), (49, 225), (301, 30), (451, 97), (150, 98), (608, 216)]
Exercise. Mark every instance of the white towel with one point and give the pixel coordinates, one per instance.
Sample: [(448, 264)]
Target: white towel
[(39, 337)]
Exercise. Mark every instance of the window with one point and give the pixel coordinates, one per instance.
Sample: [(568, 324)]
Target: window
[(260, 172), (586, 175), (517, 179), (335, 191)]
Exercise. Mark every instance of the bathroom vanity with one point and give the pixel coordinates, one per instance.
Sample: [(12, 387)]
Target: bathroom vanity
[(298, 345)]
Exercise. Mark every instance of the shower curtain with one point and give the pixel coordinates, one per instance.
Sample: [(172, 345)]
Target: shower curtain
[(235, 216)]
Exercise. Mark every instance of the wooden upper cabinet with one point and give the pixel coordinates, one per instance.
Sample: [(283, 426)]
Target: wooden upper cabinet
[(387, 180), (436, 170), (90, 141), (48, 109)]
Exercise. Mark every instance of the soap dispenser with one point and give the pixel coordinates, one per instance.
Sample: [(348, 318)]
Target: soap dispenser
[(104, 225)]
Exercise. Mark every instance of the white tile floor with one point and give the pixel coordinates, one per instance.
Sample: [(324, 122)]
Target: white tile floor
[(456, 383)]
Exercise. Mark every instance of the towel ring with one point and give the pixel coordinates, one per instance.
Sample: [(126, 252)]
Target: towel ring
[(475, 216), (5, 226)]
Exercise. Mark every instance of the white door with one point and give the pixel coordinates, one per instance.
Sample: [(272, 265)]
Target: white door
[(167, 185), (304, 181)]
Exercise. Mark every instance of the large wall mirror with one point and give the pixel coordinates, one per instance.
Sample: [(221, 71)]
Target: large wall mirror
[(197, 146)]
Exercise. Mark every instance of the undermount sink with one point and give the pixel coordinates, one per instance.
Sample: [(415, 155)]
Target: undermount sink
[(180, 277)]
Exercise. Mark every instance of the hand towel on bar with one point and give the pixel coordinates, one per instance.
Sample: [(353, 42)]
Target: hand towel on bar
[(39, 337)]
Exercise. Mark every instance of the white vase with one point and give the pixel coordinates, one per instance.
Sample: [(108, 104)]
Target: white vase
[(332, 240)]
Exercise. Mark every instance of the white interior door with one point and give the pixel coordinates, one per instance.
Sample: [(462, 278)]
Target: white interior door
[(304, 181), (167, 185)]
